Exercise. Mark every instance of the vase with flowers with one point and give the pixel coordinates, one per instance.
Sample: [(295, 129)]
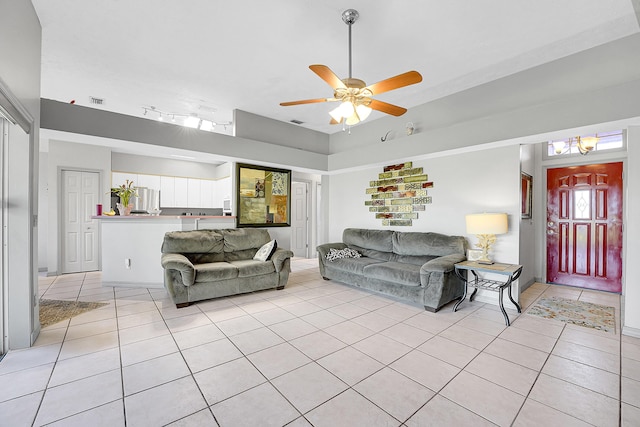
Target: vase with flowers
[(126, 191)]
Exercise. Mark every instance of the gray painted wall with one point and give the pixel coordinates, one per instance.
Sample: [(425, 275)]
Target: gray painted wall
[(258, 128), (88, 121)]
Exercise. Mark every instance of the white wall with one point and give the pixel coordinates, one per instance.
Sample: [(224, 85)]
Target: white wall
[(528, 230), (69, 155), (483, 181), (20, 44), (631, 287), (43, 210), (147, 165)]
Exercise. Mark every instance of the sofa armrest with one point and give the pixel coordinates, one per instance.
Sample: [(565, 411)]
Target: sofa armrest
[(323, 250), (181, 263), (279, 257), (443, 264)]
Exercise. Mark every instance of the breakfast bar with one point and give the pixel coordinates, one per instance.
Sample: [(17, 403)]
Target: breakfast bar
[(131, 245)]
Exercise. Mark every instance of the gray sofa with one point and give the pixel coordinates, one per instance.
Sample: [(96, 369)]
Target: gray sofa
[(413, 266), (204, 264)]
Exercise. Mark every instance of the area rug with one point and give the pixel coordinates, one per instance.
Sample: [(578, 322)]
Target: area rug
[(54, 311), (582, 313)]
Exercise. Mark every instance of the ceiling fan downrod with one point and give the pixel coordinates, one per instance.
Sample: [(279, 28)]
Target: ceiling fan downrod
[(350, 16)]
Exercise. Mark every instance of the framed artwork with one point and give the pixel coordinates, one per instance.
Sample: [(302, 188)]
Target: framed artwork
[(526, 191), (263, 196), (474, 254)]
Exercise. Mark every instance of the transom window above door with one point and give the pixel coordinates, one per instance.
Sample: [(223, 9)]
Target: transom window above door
[(585, 144)]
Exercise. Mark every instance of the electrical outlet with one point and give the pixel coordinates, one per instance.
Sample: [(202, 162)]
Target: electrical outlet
[(127, 263)]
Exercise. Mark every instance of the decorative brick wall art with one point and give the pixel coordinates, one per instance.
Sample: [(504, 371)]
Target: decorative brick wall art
[(399, 194)]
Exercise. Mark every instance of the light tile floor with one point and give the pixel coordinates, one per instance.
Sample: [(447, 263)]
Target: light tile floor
[(316, 353)]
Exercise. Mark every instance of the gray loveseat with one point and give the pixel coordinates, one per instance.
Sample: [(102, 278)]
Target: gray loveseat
[(413, 266), (204, 264)]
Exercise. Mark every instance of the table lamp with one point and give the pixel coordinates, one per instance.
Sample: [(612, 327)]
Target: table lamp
[(485, 226)]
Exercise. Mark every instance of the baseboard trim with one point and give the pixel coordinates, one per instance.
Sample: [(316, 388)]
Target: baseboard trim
[(153, 285), (631, 332)]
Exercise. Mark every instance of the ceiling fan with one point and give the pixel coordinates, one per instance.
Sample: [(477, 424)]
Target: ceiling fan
[(355, 96)]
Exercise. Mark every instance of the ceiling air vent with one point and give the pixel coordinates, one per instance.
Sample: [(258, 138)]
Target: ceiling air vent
[(96, 101), (298, 122)]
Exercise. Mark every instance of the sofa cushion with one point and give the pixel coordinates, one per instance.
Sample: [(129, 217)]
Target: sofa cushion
[(214, 271), (377, 240), (265, 252), (409, 259), (238, 239), (434, 244), (195, 241), (250, 267), (396, 272), (352, 265)]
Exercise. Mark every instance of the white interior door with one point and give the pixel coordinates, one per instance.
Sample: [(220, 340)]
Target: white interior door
[(80, 193), (299, 219)]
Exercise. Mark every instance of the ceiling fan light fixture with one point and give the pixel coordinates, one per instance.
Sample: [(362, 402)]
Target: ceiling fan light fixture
[(346, 109), (336, 114), (354, 95), (363, 112)]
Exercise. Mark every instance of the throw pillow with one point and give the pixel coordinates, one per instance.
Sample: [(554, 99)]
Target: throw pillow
[(266, 251), (335, 254)]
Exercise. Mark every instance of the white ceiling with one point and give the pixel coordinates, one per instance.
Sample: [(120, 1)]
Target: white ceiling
[(210, 57)]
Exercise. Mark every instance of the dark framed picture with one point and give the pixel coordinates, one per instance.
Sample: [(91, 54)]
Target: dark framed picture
[(263, 196), (526, 189)]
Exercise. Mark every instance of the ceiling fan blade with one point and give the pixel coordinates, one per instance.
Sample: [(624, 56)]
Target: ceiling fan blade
[(307, 101), (385, 107), (334, 121), (328, 76), (401, 80)]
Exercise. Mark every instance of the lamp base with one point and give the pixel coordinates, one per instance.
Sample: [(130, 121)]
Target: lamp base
[(485, 261)]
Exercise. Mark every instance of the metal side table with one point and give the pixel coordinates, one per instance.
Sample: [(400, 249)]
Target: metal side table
[(510, 271)]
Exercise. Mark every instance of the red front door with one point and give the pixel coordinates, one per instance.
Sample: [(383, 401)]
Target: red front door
[(584, 226)]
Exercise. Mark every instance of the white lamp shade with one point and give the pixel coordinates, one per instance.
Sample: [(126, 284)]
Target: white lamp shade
[(346, 109), (487, 223), (363, 112), (353, 119), (335, 114)]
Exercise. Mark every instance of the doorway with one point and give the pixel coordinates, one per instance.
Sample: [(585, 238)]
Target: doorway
[(80, 242), (300, 219), (584, 226)]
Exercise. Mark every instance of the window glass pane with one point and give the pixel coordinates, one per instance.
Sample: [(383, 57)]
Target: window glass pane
[(569, 146), (581, 204)]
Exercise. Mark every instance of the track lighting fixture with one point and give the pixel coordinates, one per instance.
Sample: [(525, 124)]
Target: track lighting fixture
[(189, 120)]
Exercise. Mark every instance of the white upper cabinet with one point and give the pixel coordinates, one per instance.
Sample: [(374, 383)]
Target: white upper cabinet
[(181, 197), (193, 193), (178, 192), (167, 191), (152, 182), (206, 194)]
